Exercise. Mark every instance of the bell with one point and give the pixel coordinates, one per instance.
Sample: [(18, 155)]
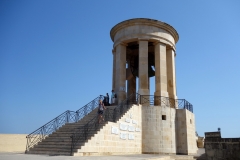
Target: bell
[(134, 66), (151, 72)]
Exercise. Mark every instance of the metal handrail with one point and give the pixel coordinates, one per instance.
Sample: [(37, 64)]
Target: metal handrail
[(166, 101), (66, 117), (184, 104)]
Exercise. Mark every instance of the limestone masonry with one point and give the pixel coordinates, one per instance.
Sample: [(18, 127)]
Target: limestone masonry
[(217, 147)]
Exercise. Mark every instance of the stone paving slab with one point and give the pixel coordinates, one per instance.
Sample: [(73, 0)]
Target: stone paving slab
[(22, 156)]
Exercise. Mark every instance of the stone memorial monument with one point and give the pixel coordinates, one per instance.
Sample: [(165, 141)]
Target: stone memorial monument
[(138, 122)]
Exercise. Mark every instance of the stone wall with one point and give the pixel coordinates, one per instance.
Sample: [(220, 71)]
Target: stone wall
[(200, 142), (117, 138), (217, 148), (186, 133), (13, 142), (158, 129)]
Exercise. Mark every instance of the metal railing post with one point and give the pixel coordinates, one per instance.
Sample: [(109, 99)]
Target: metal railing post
[(76, 116), (55, 124), (67, 116), (42, 131), (71, 153), (27, 144), (185, 104), (140, 99)]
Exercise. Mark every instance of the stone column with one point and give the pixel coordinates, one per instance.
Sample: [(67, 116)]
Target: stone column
[(160, 71), (114, 69), (143, 68), (120, 76), (131, 84), (171, 79)]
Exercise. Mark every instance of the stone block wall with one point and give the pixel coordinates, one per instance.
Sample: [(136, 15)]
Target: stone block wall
[(217, 148), (13, 143), (122, 137), (158, 125), (186, 133), (200, 142)]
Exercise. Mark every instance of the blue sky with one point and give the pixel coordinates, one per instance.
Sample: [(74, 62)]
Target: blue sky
[(57, 56)]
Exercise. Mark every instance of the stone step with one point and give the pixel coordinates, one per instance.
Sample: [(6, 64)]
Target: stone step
[(59, 153), (57, 137), (77, 129), (83, 122), (53, 149), (66, 130), (73, 127), (56, 140), (70, 129), (66, 136), (52, 139), (89, 117), (56, 145)]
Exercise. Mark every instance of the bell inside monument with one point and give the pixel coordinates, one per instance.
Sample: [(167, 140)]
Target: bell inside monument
[(132, 58)]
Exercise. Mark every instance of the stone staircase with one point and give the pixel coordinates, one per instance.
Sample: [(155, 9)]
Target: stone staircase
[(59, 142)]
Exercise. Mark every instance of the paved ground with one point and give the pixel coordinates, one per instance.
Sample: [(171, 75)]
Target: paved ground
[(22, 156)]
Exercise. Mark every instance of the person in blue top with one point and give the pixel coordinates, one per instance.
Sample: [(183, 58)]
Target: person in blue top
[(113, 97)]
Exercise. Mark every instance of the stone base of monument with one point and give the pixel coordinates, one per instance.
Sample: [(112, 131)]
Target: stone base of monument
[(142, 129)]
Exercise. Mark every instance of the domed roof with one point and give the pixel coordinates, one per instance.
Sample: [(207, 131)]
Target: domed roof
[(144, 21)]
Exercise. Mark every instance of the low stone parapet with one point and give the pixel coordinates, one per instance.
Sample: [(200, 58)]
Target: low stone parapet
[(13, 142)]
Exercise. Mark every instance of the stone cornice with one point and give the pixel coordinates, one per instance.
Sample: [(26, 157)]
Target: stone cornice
[(152, 38), (144, 21)]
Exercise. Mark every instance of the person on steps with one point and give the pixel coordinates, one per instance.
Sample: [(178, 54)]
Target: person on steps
[(107, 100), (113, 97), (101, 108)]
